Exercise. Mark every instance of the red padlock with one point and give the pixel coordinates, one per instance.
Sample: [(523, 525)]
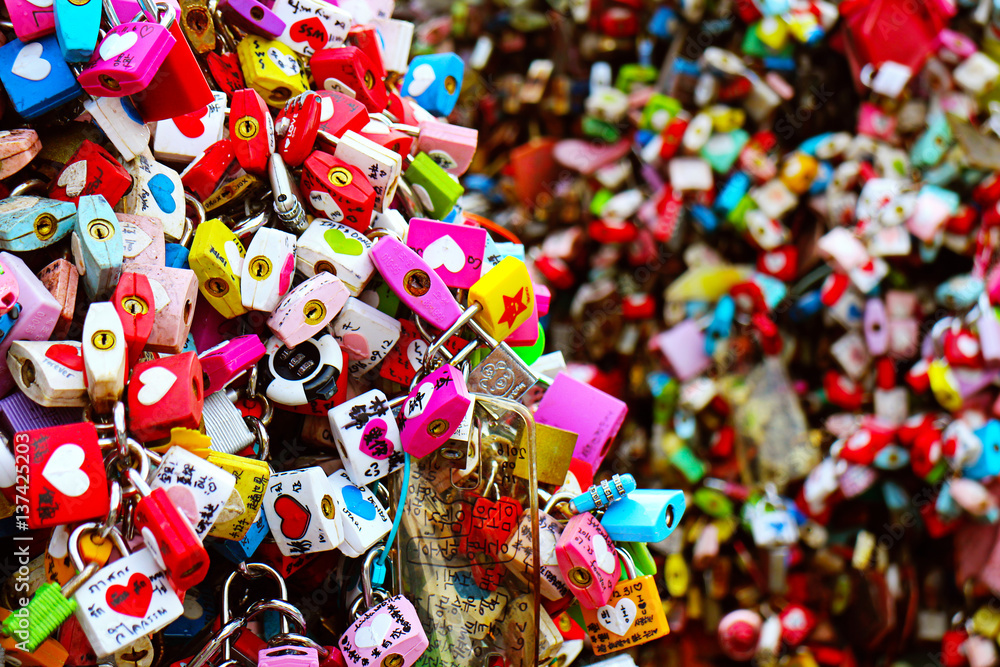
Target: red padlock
[(350, 68), (169, 536), (203, 175), (91, 171), (179, 86), (338, 191), (340, 113), (136, 307), (961, 348), (251, 131), (163, 394), (297, 125), (367, 39)]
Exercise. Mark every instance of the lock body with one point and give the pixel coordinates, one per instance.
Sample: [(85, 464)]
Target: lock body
[(301, 512), (164, 394), (433, 411), (367, 437), (588, 560), (390, 628), (335, 248), (171, 539)]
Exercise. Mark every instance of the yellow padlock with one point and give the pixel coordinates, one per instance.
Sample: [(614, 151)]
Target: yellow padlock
[(944, 385), (251, 483), (216, 258), (799, 171), (272, 69), (726, 118), (773, 32), (505, 296), (986, 622)]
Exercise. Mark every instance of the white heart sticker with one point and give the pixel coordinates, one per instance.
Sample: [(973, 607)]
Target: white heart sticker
[(74, 178), (156, 382), (617, 619), (445, 251), (967, 345), (41, 3), (134, 239), (149, 540), (774, 261), (423, 77), (415, 353), (62, 471), (325, 109), (117, 43), (59, 542), (605, 558), (160, 296), (323, 202), (373, 633), (416, 404), (29, 63), (422, 195), (335, 85)]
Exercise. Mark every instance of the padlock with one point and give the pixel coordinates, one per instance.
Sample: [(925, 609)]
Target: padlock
[(123, 64), (37, 312), (366, 334), (97, 246), (36, 76), (251, 484), (338, 191), (433, 187), (519, 545), (297, 376), (252, 16), (175, 292), (340, 113), (77, 28), (349, 70), (29, 223), (31, 21), (135, 304), (203, 175), (105, 355), (308, 308), (17, 149), (363, 518), (388, 135), (268, 269), (588, 561), (452, 147), (251, 130), (433, 411), (455, 252), (612, 627), (168, 535), (434, 81), (196, 21), (367, 437), (228, 360), (199, 489), (381, 166), (217, 259), (121, 123), (156, 191), (311, 25), (331, 247), (645, 515), (302, 513), (288, 656), (69, 484), (389, 632), (272, 69), (125, 600), (142, 240), (184, 138), (49, 372), (503, 298), (164, 394), (416, 283)]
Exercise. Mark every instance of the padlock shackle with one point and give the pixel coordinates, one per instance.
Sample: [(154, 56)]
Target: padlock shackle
[(221, 639), (251, 571), (297, 640), (630, 570), (73, 544)]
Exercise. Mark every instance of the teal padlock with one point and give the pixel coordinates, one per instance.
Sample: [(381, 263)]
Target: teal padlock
[(78, 25), (97, 246), (432, 186), (930, 147), (30, 223), (723, 148), (644, 515)]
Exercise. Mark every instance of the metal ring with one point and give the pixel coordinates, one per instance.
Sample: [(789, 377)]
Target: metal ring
[(260, 433), (31, 185), (121, 434)]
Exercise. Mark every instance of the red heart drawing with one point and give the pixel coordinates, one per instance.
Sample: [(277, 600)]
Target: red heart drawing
[(374, 442), (190, 124), (311, 31), (133, 599), (294, 515), (66, 355)]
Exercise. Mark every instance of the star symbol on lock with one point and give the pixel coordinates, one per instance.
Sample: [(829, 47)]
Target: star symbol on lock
[(512, 307)]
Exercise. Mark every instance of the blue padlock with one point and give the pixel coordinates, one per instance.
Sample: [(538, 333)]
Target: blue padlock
[(930, 147), (645, 515), (705, 218), (97, 246), (988, 463), (601, 495), (663, 23), (240, 550), (176, 256), (823, 177), (732, 192), (945, 504), (434, 81), (29, 223), (78, 25), (721, 324), (36, 77)]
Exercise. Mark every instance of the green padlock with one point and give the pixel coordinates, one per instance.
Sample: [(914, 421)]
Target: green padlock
[(48, 608), (659, 110), (432, 186)]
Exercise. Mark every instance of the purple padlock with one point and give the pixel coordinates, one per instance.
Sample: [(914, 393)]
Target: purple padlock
[(254, 17), (417, 284), (20, 413), (433, 411), (39, 313), (683, 347), (388, 634), (596, 426), (876, 327)]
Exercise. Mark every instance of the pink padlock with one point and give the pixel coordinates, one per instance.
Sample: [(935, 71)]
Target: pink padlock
[(455, 252), (415, 282), (230, 359), (683, 347), (876, 327), (308, 308), (433, 411), (9, 290), (588, 560), (31, 21), (387, 634), (596, 426), (128, 58), (288, 656), (451, 146)]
